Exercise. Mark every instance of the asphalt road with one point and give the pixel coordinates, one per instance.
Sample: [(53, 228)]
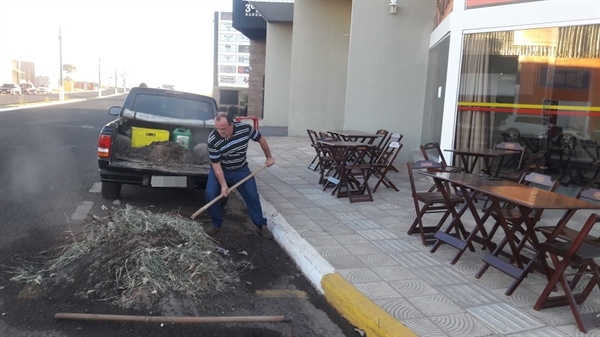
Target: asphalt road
[(49, 182)]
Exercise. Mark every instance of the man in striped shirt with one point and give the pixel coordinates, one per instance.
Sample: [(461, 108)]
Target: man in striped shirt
[(227, 147)]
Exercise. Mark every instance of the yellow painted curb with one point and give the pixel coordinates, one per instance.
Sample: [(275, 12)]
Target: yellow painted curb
[(359, 310)]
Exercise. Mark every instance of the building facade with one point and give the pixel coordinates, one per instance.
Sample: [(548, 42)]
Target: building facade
[(462, 73)]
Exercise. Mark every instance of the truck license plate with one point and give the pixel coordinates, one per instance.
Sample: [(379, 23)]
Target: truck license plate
[(168, 181)]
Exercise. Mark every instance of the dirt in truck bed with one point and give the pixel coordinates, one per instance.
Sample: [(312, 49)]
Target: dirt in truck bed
[(165, 152)]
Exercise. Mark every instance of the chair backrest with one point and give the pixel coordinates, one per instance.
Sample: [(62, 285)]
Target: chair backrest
[(433, 149), (592, 194), (420, 165), (540, 180), (312, 134), (582, 236), (389, 154), (513, 146), (535, 161), (384, 139)]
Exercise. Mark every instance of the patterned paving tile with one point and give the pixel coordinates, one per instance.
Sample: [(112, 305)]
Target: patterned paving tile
[(345, 262), (363, 249), (504, 318), (439, 275), (332, 251), (460, 325), (377, 260), (522, 297), (377, 234), (377, 290), (424, 327), (362, 224), (323, 200), (412, 288), (342, 208), (415, 260), (362, 275), (317, 214), (468, 294), (392, 273), (318, 241), (350, 239), (435, 305), (338, 230), (348, 217), (573, 331), (542, 332), (399, 308), (395, 246)]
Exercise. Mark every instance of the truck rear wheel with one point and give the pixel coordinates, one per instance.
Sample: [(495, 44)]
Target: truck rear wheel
[(111, 191)]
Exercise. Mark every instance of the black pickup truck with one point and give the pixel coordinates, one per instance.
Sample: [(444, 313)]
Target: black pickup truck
[(148, 117)]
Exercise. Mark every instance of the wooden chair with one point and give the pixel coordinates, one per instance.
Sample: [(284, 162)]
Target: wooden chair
[(336, 179), (513, 215), (433, 202), (533, 163), (432, 151), (516, 160), (581, 252), (326, 162), (314, 164), (383, 164), (356, 176), (568, 234)]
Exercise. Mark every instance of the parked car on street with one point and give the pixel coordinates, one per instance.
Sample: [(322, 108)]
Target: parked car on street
[(10, 89), (28, 88), (43, 90)]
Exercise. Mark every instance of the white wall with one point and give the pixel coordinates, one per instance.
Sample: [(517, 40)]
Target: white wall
[(387, 68), (277, 74), (318, 65)]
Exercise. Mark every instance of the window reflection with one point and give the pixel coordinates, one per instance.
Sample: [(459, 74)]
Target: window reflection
[(536, 86)]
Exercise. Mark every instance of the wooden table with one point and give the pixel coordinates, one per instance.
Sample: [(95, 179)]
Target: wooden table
[(526, 198), (349, 156), (354, 136), (488, 156)]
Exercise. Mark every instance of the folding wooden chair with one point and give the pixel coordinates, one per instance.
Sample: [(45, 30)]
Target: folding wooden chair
[(314, 164), (516, 160), (582, 253), (382, 165), (513, 215), (356, 176), (568, 234), (533, 163), (432, 151), (433, 202)]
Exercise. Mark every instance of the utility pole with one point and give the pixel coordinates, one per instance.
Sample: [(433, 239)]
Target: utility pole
[(99, 78), (116, 90), (61, 92)]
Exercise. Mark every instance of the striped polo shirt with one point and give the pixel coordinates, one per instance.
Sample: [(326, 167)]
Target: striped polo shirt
[(231, 153)]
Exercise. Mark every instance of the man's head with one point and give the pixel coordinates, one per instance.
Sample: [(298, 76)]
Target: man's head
[(143, 85), (224, 124)]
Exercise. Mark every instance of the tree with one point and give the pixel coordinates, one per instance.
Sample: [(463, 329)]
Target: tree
[(69, 68)]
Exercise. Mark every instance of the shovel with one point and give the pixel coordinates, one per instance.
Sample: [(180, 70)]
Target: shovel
[(229, 191)]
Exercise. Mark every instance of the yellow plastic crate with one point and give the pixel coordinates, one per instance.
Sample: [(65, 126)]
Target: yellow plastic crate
[(143, 136)]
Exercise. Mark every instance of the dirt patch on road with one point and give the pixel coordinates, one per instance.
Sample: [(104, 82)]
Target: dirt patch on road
[(252, 264)]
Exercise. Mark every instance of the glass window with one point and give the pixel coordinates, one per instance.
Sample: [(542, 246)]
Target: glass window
[(173, 107), (539, 84)]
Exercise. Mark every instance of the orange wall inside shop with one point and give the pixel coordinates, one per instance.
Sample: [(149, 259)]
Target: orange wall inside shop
[(531, 93)]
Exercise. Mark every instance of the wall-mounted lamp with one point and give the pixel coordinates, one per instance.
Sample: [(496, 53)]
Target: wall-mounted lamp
[(393, 6)]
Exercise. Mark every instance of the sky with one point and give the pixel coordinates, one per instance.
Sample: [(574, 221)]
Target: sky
[(152, 41)]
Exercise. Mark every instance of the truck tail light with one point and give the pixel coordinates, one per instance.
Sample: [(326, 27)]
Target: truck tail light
[(104, 146)]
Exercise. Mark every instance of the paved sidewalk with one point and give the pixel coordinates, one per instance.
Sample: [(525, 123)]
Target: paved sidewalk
[(387, 276)]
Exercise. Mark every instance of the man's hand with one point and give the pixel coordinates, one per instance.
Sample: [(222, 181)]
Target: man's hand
[(224, 191), (270, 161)]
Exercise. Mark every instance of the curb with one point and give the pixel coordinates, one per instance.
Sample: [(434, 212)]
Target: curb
[(341, 295)]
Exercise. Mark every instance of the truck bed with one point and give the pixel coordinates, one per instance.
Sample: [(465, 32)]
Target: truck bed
[(162, 168)]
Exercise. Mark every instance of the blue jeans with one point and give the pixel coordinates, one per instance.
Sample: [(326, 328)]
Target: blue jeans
[(248, 191)]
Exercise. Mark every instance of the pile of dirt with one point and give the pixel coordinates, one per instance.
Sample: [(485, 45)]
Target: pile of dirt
[(132, 258), (164, 152)]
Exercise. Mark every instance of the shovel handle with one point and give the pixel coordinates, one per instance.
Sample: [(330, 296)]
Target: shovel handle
[(228, 191)]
